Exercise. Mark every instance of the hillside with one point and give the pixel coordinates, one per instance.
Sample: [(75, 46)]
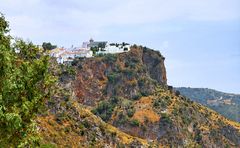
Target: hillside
[(122, 100), (224, 103), (113, 100)]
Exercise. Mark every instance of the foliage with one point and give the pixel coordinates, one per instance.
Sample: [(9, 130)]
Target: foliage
[(122, 118), (25, 83), (105, 108), (70, 70), (130, 112), (135, 122), (198, 136), (100, 55), (94, 50), (145, 49), (129, 73), (160, 103), (130, 64), (177, 93), (134, 46), (110, 58), (137, 97), (112, 78), (165, 118), (141, 82), (48, 46), (102, 45)]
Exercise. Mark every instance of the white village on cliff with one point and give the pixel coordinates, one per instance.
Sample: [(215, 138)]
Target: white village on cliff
[(87, 50)]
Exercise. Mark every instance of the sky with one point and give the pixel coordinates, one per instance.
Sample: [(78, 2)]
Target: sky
[(199, 38)]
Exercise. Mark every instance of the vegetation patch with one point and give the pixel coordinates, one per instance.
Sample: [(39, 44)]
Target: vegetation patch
[(143, 114), (105, 108)]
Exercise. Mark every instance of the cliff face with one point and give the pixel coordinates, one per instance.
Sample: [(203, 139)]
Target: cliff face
[(128, 75), (154, 62), (122, 100)]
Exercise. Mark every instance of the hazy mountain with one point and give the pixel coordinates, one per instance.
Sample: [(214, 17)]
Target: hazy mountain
[(226, 104)]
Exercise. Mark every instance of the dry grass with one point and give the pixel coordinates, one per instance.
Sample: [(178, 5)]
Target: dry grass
[(52, 131), (144, 110), (142, 115)]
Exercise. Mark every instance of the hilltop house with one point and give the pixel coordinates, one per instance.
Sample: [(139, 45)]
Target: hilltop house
[(115, 48), (104, 47), (87, 50)]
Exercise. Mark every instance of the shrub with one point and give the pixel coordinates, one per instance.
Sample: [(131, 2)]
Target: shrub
[(134, 60), (80, 67), (134, 46), (110, 58), (165, 118), (160, 103), (132, 65), (69, 71), (129, 73), (186, 119), (175, 112), (145, 49), (135, 122), (114, 100), (131, 62), (170, 87), (86, 124), (141, 82), (156, 103), (74, 62), (177, 93), (137, 97), (112, 77), (145, 93), (100, 55), (122, 119), (130, 112), (94, 50), (105, 109), (198, 137)]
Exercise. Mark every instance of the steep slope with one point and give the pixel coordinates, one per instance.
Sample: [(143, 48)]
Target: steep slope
[(128, 75), (129, 93), (78, 127), (67, 123), (224, 103)]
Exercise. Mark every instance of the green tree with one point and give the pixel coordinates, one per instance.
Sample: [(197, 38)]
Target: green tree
[(25, 84), (48, 46)]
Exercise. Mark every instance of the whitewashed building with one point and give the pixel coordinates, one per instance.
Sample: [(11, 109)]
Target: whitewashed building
[(101, 47), (114, 48), (67, 55)]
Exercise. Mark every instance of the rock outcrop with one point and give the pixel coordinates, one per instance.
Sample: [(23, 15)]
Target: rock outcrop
[(122, 100), (154, 62), (130, 75)]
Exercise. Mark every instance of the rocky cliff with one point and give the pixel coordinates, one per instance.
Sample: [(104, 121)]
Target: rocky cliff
[(128, 75), (122, 100)]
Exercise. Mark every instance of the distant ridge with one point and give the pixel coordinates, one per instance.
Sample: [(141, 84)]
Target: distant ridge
[(227, 104)]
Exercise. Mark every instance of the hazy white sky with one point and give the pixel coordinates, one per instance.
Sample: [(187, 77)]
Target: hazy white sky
[(199, 38)]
